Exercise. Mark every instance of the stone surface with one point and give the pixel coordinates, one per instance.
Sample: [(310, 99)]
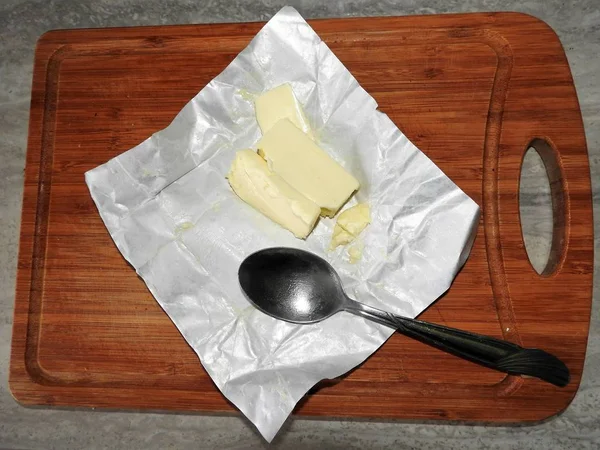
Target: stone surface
[(23, 21)]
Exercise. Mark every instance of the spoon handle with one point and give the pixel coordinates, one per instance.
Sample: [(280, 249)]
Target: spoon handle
[(487, 351)]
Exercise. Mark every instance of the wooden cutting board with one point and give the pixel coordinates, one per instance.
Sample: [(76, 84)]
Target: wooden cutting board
[(472, 91)]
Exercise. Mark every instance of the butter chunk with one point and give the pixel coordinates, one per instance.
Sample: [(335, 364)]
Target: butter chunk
[(350, 224), (306, 167), (253, 181), (280, 103), (355, 252), (340, 237)]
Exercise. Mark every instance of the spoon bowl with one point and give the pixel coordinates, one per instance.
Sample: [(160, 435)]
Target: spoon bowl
[(292, 285)]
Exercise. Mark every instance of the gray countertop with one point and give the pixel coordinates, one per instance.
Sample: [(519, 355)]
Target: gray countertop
[(23, 21)]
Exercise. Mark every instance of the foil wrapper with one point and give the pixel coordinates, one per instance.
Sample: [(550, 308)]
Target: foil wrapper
[(174, 217)]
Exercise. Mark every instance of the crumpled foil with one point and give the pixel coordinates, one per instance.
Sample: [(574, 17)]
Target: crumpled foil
[(173, 216)]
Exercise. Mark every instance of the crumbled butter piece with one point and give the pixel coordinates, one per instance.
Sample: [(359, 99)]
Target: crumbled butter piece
[(350, 224)]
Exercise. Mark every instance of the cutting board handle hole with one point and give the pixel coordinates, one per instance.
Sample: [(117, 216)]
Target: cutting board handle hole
[(541, 206)]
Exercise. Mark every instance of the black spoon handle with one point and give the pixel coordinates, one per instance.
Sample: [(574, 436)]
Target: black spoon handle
[(487, 351)]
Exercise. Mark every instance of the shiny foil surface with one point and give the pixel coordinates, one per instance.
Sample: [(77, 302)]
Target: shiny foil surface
[(174, 217)]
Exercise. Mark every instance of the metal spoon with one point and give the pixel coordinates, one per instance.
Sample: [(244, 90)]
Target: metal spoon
[(300, 287)]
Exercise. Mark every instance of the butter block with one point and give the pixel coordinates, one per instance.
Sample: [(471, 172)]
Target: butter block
[(277, 104), (350, 224), (253, 181), (306, 167)]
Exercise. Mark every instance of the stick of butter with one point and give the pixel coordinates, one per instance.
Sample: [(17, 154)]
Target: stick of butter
[(350, 224), (280, 103), (251, 179), (306, 167)]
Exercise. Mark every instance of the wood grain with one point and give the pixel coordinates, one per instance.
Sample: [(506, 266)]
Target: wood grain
[(472, 91)]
